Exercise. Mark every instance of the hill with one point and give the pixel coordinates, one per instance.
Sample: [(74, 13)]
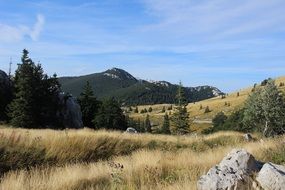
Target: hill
[(199, 119), (131, 91)]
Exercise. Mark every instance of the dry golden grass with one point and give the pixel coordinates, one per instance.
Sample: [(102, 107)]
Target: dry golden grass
[(158, 162), (198, 118)]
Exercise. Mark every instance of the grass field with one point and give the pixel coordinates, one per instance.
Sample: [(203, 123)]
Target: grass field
[(86, 159), (200, 120)]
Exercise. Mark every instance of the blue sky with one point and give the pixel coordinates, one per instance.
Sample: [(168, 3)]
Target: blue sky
[(225, 43)]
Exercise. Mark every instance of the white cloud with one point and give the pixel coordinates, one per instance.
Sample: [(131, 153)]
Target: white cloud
[(38, 27), (10, 33)]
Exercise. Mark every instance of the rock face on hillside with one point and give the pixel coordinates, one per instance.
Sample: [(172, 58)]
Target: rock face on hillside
[(70, 112), (235, 172)]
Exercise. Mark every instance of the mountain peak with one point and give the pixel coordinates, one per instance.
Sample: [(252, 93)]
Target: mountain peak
[(119, 74)]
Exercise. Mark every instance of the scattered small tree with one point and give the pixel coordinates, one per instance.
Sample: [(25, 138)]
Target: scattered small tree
[(166, 125), (150, 109), (180, 117), (169, 108), (237, 94), (163, 109), (136, 110), (147, 124), (207, 109), (130, 109)]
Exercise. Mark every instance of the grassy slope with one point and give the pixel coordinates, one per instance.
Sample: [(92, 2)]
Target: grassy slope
[(127, 161), (199, 119)]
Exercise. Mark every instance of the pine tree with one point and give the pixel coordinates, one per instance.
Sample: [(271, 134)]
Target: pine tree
[(170, 108), (89, 105), (180, 96), (265, 110), (25, 108), (207, 109), (136, 110), (35, 104), (147, 124), (180, 117), (110, 116), (166, 125), (163, 109), (150, 109)]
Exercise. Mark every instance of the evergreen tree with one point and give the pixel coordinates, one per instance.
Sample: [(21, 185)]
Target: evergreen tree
[(89, 105), (180, 96), (6, 96), (166, 125), (180, 117), (130, 109), (170, 108), (25, 109), (150, 109), (207, 109), (110, 116), (147, 124), (219, 119), (136, 110), (265, 110), (163, 109)]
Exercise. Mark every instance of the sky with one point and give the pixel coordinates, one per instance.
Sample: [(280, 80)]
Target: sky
[(229, 44)]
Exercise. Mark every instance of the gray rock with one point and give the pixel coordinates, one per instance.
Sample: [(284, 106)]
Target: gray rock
[(131, 130), (248, 137), (232, 173), (272, 177), (70, 112)]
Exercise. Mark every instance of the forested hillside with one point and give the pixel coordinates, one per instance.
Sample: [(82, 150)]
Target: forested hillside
[(131, 91)]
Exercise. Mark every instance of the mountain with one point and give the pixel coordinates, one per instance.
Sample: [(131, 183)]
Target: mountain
[(132, 91)]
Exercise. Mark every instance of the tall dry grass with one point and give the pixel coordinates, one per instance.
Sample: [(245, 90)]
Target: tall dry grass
[(158, 162)]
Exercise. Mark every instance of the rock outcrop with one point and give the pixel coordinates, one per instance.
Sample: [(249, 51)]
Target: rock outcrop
[(236, 172), (131, 130), (232, 173), (271, 177), (70, 112), (248, 137)]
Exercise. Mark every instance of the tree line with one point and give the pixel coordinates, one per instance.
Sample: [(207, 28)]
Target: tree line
[(32, 101)]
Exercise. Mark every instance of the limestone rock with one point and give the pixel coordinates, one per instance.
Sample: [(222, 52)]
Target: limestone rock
[(272, 177), (131, 130), (234, 172), (248, 137)]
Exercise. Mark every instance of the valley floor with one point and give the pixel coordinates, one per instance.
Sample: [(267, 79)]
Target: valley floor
[(86, 159)]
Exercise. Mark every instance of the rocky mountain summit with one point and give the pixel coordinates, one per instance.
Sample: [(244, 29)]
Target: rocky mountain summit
[(239, 170)]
